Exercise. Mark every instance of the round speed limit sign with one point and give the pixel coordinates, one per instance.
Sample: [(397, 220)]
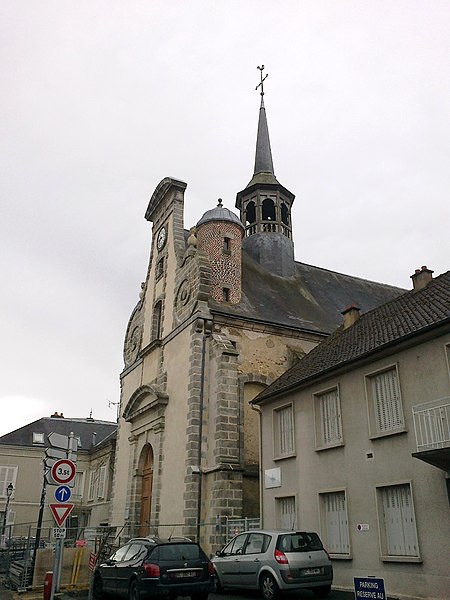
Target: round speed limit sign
[(63, 471)]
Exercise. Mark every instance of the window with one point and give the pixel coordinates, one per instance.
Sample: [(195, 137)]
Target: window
[(268, 210), (78, 487), (38, 438), (384, 403), (284, 214), (92, 478), (447, 355), (333, 508), (101, 482), (327, 414), (250, 213), (284, 431), (226, 245), (157, 320), (257, 543), (235, 546), (286, 513), (397, 522), (159, 268), (8, 475), (119, 554), (226, 294)]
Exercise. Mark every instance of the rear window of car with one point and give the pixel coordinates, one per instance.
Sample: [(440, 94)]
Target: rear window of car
[(178, 552), (300, 541)]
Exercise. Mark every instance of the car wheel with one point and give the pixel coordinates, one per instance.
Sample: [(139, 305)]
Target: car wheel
[(134, 593), (322, 591), (97, 588), (269, 587)]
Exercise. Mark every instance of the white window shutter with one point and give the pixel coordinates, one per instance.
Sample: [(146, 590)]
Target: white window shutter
[(287, 512), (286, 430), (387, 403), (336, 523), (399, 521), (330, 417)]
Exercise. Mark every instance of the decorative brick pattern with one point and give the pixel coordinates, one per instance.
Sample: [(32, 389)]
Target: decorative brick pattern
[(220, 241)]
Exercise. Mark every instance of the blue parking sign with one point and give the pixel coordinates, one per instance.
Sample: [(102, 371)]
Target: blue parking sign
[(63, 493), (369, 588)]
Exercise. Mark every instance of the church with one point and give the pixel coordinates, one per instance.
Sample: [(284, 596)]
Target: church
[(224, 310)]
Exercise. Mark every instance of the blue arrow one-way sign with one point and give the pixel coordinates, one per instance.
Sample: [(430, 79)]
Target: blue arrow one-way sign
[(63, 493)]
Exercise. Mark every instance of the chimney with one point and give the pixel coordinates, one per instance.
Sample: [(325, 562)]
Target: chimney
[(351, 315), (421, 278)]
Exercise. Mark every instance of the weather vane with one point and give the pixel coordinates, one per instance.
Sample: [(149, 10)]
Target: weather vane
[(261, 83)]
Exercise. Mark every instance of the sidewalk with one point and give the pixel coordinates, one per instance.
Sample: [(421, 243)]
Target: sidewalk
[(83, 595), (39, 595)]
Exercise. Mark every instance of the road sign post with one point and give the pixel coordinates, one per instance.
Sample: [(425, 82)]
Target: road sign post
[(62, 493), (63, 471), (60, 512)]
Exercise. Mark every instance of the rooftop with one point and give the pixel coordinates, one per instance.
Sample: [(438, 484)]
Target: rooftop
[(410, 314)]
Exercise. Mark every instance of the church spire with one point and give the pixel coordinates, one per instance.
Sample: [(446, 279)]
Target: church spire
[(263, 155), (265, 207)]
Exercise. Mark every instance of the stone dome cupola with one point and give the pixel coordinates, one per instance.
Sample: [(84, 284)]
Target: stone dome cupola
[(220, 213), (265, 207), (219, 237)]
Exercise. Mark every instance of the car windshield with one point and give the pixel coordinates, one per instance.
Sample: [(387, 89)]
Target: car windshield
[(300, 541), (179, 552)]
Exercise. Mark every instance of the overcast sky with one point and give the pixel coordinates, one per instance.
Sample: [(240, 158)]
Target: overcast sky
[(100, 100)]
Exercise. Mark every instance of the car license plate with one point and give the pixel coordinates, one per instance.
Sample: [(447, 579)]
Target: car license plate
[(186, 574), (311, 571)]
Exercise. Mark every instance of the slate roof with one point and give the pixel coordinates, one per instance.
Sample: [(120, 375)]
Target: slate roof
[(312, 300), (220, 213), (411, 314), (82, 428)]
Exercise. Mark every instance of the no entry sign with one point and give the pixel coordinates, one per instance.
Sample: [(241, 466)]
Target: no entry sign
[(63, 471)]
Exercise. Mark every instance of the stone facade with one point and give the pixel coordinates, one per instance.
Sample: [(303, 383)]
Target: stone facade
[(214, 326)]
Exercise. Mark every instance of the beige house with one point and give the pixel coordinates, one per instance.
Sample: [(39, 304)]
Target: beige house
[(223, 311), (22, 454), (356, 443)]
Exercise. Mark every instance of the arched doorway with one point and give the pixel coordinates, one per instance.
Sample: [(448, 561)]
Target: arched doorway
[(146, 493)]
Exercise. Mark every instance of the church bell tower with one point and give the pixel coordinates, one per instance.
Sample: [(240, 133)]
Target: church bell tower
[(265, 207)]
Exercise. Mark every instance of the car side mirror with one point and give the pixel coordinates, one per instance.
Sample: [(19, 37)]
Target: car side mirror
[(219, 553)]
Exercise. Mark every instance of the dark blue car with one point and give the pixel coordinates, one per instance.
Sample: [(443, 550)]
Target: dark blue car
[(155, 568)]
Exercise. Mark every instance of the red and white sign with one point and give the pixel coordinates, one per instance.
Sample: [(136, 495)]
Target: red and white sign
[(92, 561), (63, 471), (61, 512)]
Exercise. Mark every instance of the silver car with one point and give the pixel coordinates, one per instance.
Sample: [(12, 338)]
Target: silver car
[(274, 562)]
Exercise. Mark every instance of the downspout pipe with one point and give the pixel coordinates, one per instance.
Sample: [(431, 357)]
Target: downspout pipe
[(257, 409)]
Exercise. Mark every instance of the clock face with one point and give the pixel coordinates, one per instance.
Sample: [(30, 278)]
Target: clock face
[(161, 239)]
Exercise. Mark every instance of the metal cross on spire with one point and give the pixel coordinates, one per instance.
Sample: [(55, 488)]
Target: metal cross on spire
[(261, 83)]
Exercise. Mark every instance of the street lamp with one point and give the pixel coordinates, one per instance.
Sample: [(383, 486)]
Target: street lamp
[(9, 491)]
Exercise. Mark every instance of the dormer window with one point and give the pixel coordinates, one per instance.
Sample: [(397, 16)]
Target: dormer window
[(38, 438)]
